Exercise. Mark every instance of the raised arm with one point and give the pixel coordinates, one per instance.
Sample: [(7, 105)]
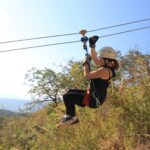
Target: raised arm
[(96, 59)]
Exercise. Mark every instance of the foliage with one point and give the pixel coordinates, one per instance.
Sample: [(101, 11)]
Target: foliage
[(72, 76), (48, 86), (45, 86)]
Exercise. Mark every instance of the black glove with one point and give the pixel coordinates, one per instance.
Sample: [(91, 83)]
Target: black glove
[(93, 40), (87, 59)]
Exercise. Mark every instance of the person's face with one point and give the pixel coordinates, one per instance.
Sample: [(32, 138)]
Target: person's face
[(101, 60)]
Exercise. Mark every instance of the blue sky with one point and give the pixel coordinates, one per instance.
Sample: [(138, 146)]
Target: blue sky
[(32, 18)]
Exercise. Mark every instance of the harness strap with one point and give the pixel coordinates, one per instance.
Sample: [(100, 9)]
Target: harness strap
[(109, 73), (95, 95), (86, 99)]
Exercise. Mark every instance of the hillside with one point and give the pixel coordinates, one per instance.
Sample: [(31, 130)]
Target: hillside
[(8, 113), (99, 129)]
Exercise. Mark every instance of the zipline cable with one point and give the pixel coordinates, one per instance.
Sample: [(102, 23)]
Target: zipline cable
[(59, 35), (125, 31), (123, 24), (38, 46)]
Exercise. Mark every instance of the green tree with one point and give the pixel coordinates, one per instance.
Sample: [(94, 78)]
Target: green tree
[(45, 86), (72, 76), (48, 86), (134, 96)]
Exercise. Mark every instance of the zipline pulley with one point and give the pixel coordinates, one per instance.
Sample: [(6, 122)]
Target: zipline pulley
[(84, 40)]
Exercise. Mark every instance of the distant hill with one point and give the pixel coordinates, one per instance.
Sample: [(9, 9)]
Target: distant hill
[(8, 113), (12, 104)]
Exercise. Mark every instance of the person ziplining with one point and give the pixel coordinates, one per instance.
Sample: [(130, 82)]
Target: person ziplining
[(99, 79)]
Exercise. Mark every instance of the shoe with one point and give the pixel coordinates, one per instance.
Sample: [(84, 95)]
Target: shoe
[(75, 121), (65, 121), (93, 40)]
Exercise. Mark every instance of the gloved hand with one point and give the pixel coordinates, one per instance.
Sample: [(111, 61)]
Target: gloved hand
[(87, 59), (93, 40)]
